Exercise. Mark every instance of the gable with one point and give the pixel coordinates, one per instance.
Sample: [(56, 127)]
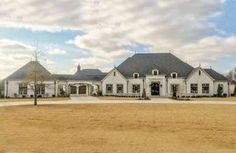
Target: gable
[(114, 76), (194, 76)]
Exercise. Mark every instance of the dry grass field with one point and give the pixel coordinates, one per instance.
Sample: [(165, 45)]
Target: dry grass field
[(31, 99), (118, 128), (233, 99)]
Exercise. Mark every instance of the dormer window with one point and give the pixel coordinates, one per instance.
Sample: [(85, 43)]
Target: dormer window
[(174, 75), (155, 72), (136, 75), (199, 72)]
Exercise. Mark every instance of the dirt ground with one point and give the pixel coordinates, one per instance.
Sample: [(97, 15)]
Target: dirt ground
[(118, 128)]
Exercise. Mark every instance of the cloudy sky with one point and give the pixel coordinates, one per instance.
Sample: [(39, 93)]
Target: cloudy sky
[(102, 33)]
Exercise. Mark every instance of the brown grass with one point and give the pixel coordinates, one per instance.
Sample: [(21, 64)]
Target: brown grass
[(118, 128), (116, 98), (31, 99), (215, 99)]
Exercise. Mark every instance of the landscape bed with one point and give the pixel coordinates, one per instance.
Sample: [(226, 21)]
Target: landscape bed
[(118, 128)]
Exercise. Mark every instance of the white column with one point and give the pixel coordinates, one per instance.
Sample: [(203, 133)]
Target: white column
[(77, 89), (5, 89)]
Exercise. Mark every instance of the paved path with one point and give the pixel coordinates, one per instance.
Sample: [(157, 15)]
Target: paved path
[(94, 100)]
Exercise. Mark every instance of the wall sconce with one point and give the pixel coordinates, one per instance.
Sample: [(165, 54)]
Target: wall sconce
[(161, 85)]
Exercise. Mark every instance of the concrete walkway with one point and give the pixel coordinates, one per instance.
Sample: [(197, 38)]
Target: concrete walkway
[(94, 100)]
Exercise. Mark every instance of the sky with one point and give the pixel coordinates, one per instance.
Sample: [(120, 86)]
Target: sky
[(103, 33)]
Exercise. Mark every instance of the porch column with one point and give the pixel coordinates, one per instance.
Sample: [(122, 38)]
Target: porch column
[(55, 88), (88, 89), (6, 89), (77, 89), (67, 88)]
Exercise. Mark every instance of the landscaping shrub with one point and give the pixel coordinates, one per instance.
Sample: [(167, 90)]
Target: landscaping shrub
[(235, 90), (224, 95), (99, 93), (219, 91)]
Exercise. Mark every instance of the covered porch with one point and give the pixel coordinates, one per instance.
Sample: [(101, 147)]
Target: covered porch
[(83, 89)]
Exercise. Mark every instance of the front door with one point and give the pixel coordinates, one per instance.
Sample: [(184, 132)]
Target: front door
[(155, 89), (82, 90)]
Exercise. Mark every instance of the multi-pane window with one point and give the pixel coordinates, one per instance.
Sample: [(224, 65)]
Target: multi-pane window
[(136, 88), (194, 88), (22, 89), (41, 89), (174, 75), (136, 75), (120, 88), (109, 88), (154, 72), (205, 88)]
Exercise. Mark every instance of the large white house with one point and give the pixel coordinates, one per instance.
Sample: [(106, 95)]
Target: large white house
[(156, 74)]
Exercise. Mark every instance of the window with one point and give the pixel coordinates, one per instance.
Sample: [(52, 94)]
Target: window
[(22, 89), (120, 88), (136, 75), (155, 72), (194, 88), (199, 72), (114, 73), (174, 75), (205, 88), (109, 88), (136, 88), (40, 89)]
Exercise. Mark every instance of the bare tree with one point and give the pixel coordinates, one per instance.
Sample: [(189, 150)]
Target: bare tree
[(35, 77)]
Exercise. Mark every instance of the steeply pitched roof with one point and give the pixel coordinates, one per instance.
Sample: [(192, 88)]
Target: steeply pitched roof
[(143, 64), (215, 75), (24, 71), (89, 74), (62, 77)]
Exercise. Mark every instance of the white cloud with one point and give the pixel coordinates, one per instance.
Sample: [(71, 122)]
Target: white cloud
[(12, 55), (162, 25), (56, 51), (90, 62), (208, 50)]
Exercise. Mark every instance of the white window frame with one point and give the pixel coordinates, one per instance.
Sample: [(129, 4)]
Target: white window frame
[(117, 88), (136, 74), (23, 89), (194, 85), (137, 89), (155, 70), (176, 74), (204, 86), (107, 91)]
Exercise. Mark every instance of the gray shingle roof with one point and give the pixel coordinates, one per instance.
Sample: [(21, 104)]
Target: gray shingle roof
[(22, 73), (89, 74), (215, 75), (166, 63), (62, 77)]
